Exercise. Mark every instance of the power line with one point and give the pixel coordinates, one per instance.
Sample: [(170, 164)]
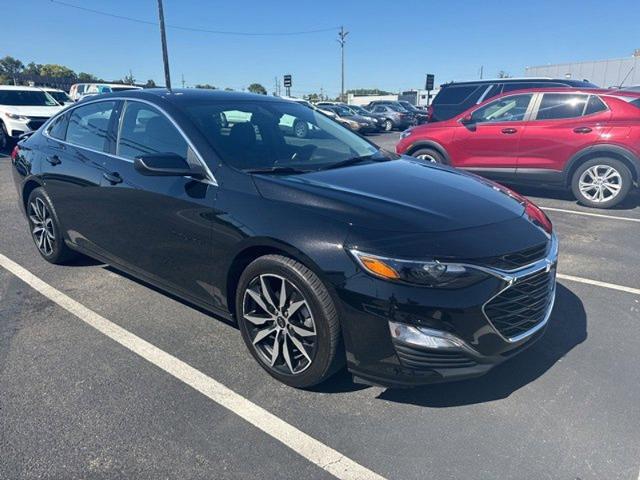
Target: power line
[(193, 29)]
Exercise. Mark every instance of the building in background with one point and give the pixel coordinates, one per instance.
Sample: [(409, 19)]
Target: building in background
[(363, 100), (604, 73), (420, 98)]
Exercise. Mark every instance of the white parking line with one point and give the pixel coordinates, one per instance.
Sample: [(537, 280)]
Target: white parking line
[(598, 283), (313, 450), (587, 214)]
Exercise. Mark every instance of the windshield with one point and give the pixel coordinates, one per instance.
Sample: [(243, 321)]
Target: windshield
[(60, 97), (359, 110), (252, 135), (397, 108), (342, 111), (115, 88), (26, 98)]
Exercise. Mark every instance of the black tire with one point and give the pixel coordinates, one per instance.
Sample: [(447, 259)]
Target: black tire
[(324, 350), (49, 242), (300, 129), (429, 155), (587, 174), (4, 138), (387, 126)]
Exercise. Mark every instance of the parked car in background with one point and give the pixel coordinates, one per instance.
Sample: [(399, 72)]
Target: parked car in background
[(60, 96), (421, 115), (325, 250), (392, 116), (80, 90), (456, 97), (355, 122), (22, 110), (358, 110), (584, 140)]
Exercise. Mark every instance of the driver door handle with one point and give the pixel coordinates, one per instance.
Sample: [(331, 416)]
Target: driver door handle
[(54, 160), (509, 130), (113, 178), (582, 130)]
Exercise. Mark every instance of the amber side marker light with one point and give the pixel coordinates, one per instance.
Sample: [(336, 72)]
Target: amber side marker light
[(378, 267)]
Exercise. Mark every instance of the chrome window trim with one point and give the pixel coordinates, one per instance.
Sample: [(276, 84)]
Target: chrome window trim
[(525, 118), (211, 179)]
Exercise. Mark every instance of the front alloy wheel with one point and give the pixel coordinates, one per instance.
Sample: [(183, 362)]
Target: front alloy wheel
[(282, 328), (388, 125), (288, 321)]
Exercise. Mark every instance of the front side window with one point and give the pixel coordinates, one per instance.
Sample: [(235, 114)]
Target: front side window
[(88, 125), (27, 98), (561, 105), (507, 109), (268, 135), (145, 131)]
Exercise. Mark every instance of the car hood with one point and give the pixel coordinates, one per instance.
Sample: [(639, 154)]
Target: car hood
[(399, 195), (30, 111)]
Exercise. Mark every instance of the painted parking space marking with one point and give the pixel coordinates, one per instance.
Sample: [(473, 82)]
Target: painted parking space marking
[(303, 444), (588, 214), (598, 283)]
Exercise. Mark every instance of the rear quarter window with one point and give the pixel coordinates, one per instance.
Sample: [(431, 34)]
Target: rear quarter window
[(456, 95)]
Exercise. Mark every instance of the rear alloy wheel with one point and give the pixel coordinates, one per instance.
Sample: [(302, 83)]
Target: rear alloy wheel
[(601, 182), (300, 129), (288, 321), (429, 155), (45, 229), (387, 125)]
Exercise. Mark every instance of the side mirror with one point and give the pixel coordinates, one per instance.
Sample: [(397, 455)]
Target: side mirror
[(166, 165), (467, 119)]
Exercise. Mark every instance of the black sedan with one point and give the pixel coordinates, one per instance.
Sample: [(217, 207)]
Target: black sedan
[(325, 250)]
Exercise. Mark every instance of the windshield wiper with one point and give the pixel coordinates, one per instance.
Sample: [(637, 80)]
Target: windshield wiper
[(356, 160), (275, 170)]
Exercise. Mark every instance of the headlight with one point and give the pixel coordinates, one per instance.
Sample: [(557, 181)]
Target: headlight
[(428, 274), (13, 116), (406, 133)]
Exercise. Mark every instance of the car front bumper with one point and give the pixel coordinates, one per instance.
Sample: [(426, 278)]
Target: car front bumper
[(16, 127), (452, 334)]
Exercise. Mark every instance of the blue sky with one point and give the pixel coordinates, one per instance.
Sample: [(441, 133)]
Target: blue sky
[(391, 44)]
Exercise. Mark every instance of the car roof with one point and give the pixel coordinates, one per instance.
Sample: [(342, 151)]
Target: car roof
[(516, 80), (180, 95), (19, 87)]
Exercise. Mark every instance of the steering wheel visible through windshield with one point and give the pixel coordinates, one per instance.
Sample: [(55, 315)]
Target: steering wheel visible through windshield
[(266, 135)]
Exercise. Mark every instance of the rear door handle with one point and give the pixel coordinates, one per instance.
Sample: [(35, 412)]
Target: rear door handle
[(509, 130), (54, 160), (113, 178), (582, 130)]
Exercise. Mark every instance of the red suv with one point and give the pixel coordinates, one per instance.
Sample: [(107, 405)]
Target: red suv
[(588, 140)]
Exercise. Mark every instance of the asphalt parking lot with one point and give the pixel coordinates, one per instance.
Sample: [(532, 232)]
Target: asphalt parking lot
[(78, 401)]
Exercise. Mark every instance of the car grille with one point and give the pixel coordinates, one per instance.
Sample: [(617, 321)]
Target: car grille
[(421, 359), (513, 261), (522, 306), (35, 123)]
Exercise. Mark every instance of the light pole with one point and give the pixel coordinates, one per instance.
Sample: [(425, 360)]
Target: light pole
[(342, 35), (165, 54)]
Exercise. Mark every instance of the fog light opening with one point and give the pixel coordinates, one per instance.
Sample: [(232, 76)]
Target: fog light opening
[(424, 337)]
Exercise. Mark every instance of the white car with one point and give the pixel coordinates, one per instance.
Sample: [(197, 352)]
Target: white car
[(22, 110), (81, 90), (59, 96)]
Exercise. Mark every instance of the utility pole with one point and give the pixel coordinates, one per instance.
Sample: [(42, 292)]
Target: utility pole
[(481, 71), (165, 53), (342, 35), (183, 80)]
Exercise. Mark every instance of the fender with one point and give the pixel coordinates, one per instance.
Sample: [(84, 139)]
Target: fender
[(604, 149), (429, 144)]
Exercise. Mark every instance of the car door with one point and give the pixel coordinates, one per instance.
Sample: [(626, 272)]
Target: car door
[(74, 154), (487, 140), (160, 227), (561, 125)]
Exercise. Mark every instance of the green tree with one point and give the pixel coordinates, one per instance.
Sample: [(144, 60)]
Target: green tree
[(87, 77), (55, 70), (32, 68), (503, 74), (11, 67), (205, 85), (369, 91), (228, 89), (257, 88), (129, 79), (150, 84)]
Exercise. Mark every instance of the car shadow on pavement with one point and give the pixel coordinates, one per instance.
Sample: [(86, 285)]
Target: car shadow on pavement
[(567, 328), (631, 202)]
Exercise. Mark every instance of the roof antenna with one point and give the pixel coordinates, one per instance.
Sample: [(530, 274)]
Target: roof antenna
[(625, 78), (165, 54)]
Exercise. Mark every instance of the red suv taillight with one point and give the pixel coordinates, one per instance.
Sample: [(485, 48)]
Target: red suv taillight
[(14, 152)]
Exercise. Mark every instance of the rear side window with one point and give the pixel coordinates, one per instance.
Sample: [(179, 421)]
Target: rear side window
[(458, 94), (561, 105), (635, 103), (88, 125), (58, 128), (594, 105), (146, 131)]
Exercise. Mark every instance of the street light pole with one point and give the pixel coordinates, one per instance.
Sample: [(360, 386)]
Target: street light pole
[(342, 35), (165, 54)]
